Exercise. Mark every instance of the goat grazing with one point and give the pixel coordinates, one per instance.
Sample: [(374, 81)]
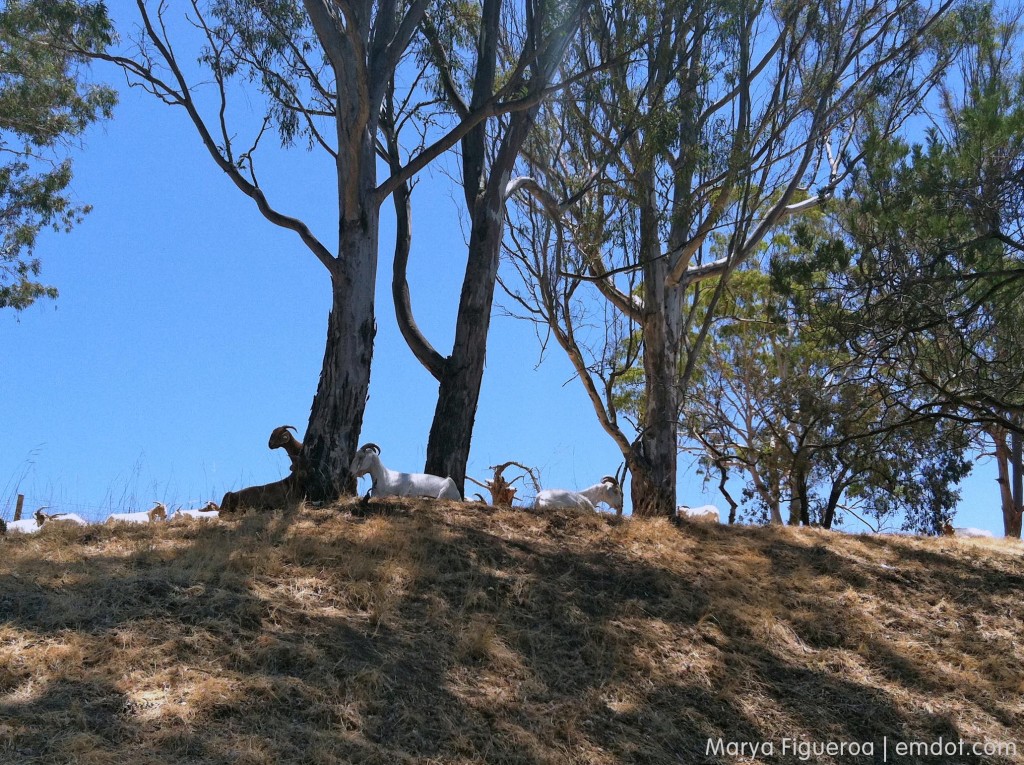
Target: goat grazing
[(269, 496), (280, 438), (607, 491), (389, 483), (708, 513), (158, 513)]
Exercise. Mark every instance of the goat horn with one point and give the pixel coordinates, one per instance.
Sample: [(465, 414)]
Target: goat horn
[(288, 427), (620, 474), (610, 479), (372, 447)]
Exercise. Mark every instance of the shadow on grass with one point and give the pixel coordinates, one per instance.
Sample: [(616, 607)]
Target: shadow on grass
[(406, 634)]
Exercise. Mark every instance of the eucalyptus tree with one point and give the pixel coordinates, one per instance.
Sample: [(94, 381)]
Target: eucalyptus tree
[(46, 102), (507, 49), (339, 76), (734, 117)]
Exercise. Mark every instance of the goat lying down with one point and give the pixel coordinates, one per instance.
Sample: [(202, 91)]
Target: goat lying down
[(158, 513), (39, 519), (23, 526), (269, 496), (390, 483), (950, 530), (707, 513), (72, 518), (607, 491), (208, 511)]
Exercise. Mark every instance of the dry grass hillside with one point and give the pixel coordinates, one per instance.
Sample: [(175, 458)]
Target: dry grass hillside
[(418, 633)]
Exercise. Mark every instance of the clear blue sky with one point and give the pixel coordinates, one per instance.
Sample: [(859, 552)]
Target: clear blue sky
[(188, 327)]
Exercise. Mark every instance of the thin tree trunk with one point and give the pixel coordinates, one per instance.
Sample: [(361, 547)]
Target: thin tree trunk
[(1011, 510), (829, 514), (723, 479), (799, 501), (1013, 528)]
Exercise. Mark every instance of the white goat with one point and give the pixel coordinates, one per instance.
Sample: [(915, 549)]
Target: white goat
[(708, 513), (970, 531), (28, 525), (389, 483), (39, 518), (24, 526), (207, 512), (607, 491), (158, 513), (72, 518)]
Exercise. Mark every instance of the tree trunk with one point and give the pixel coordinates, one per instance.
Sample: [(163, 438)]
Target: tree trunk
[(1013, 527), (829, 513), (336, 417), (451, 432), (1011, 510), (795, 510), (654, 470), (799, 498)]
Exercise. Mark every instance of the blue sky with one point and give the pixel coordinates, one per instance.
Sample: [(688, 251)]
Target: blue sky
[(188, 327)]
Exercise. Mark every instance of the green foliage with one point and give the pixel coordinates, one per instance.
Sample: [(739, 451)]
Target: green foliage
[(929, 262), (809, 432), (45, 104), (271, 44)]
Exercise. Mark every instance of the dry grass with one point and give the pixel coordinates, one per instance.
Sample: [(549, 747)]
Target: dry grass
[(460, 634)]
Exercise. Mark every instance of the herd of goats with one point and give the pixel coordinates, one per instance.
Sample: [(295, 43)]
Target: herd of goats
[(386, 483)]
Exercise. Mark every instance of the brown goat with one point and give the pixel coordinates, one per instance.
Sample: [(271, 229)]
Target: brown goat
[(269, 496), (280, 438)]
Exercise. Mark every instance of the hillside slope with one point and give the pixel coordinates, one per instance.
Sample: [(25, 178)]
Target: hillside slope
[(462, 634)]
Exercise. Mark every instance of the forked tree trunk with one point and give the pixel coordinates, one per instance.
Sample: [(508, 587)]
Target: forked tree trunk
[(337, 413)]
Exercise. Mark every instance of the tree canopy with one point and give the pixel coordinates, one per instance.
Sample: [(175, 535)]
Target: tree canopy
[(46, 102)]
